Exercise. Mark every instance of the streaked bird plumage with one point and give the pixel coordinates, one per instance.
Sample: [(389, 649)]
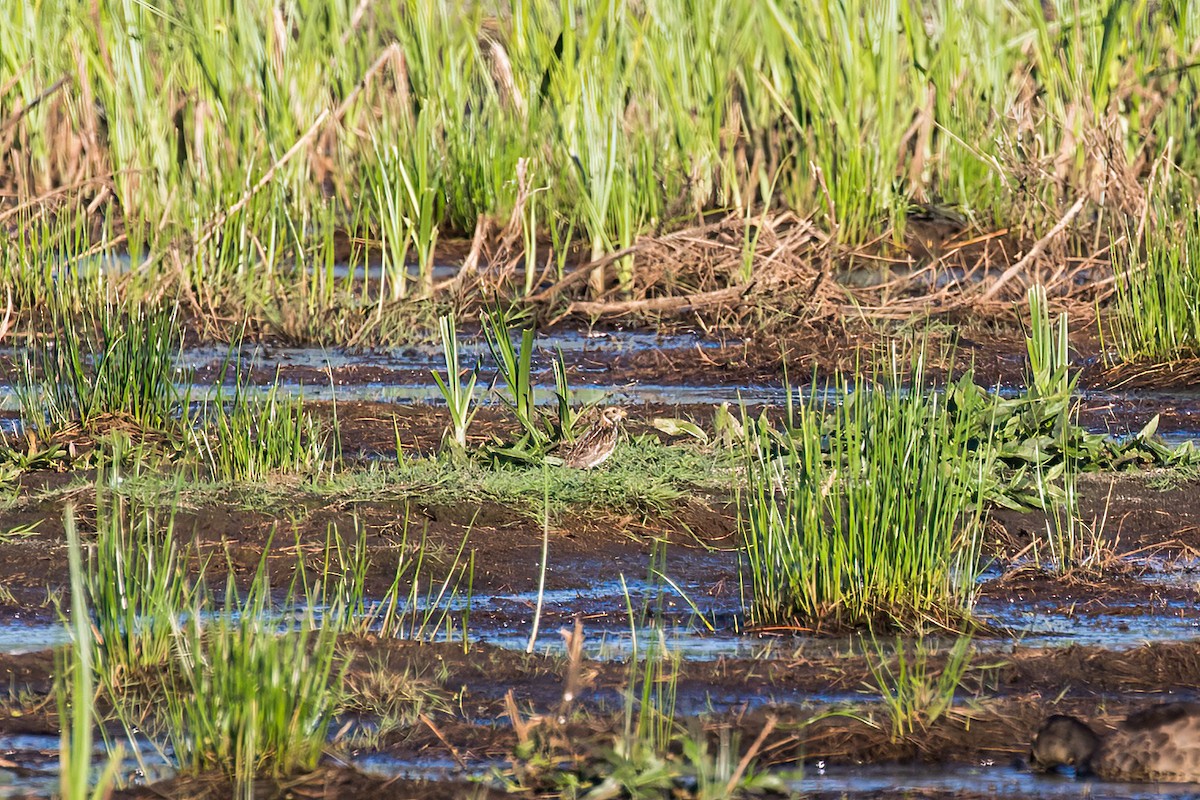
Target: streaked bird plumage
[(597, 443)]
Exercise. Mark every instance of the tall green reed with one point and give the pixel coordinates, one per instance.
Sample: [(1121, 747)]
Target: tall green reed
[(1048, 350), (458, 396), (75, 690), (1156, 305), (515, 363), (637, 116), (410, 200), (1067, 544)]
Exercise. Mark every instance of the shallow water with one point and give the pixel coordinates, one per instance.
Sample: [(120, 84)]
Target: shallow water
[(990, 780), (692, 624), (1037, 625), (19, 636), (402, 375), (471, 347), (627, 394), (383, 765), (1001, 781), (37, 759), (119, 263), (34, 760)]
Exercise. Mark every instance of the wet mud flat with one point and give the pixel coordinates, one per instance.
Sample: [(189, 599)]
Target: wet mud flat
[(1098, 649), (651, 573), (977, 750)]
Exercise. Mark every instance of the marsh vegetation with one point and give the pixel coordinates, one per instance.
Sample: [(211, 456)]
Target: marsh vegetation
[(896, 302)]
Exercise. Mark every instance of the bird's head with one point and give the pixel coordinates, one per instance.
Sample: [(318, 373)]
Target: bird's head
[(1063, 740), (613, 415)]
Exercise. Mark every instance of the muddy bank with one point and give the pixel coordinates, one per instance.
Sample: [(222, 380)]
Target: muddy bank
[(675, 356), (825, 710), (1153, 531)]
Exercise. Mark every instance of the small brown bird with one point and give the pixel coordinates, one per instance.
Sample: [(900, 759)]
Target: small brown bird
[(1160, 743), (597, 443)]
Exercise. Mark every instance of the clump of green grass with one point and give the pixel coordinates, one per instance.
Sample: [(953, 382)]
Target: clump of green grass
[(914, 693), (1156, 306), (137, 586), (250, 682), (251, 438), (109, 360), (885, 527), (251, 694)]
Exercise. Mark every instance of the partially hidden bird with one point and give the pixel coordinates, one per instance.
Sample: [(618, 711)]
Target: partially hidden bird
[(597, 443), (1160, 743)]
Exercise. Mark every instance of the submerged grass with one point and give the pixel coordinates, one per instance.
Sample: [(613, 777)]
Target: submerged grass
[(440, 611), (249, 686), (915, 694)]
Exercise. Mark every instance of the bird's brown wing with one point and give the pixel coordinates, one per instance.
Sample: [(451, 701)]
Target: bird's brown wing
[(1159, 715), (1160, 743), (591, 444)]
